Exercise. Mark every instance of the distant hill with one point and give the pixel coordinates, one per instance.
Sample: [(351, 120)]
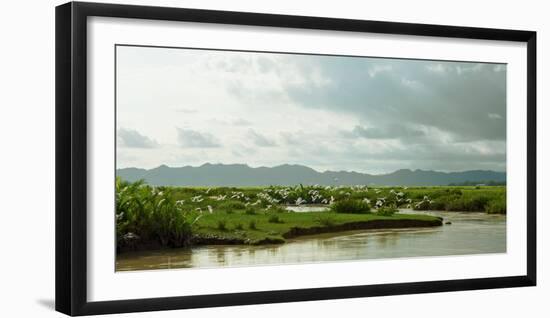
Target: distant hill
[(243, 175)]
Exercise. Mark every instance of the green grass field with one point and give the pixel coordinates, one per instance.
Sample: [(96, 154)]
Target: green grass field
[(275, 227), (181, 216)]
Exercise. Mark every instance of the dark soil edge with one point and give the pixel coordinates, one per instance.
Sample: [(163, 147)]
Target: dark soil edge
[(362, 225)]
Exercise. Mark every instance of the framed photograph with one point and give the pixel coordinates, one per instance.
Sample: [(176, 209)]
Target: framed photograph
[(214, 158)]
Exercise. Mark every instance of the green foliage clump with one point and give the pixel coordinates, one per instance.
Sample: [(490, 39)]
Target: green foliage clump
[(423, 205), (325, 220), (252, 225), (350, 206), (231, 205), (274, 218), (438, 205), (468, 199), (496, 207), (222, 225), (278, 209), (470, 202), (386, 211), (250, 211), (147, 214)]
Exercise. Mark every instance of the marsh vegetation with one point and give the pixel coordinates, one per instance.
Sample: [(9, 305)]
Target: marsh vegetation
[(150, 217)]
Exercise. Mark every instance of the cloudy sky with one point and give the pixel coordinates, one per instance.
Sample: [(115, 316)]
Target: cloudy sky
[(187, 107)]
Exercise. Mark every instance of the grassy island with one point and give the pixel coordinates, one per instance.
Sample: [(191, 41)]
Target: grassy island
[(270, 228)]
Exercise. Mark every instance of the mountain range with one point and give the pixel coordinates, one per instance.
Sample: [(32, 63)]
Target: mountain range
[(243, 175)]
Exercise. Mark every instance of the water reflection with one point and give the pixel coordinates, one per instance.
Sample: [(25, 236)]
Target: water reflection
[(307, 208), (469, 233)]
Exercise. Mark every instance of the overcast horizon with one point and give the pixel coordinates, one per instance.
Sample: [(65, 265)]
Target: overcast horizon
[(184, 107)]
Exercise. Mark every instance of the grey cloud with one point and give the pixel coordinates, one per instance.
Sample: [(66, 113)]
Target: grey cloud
[(451, 96), (188, 138), (130, 138), (260, 140), (427, 156), (444, 153), (444, 157), (388, 132), (292, 138)]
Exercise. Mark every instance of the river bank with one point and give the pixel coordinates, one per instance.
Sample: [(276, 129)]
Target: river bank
[(470, 233), (277, 228)]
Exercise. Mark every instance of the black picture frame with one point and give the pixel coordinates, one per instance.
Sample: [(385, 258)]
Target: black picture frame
[(71, 157)]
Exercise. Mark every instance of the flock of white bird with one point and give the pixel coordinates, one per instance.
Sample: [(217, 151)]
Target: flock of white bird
[(274, 196)]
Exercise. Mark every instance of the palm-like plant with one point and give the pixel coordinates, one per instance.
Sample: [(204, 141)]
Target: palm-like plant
[(150, 214)]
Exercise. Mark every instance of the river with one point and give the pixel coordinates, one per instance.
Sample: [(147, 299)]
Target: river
[(468, 233)]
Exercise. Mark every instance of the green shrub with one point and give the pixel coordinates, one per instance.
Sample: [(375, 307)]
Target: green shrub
[(252, 225), (274, 218), (350, 206), (250, 211), (386, 211), (422, 205), (239, 226), (278, 209), (477, 203), (456, 205), (325, 220), (438, 205), (222, 225), (496, 207), (232, 205)]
